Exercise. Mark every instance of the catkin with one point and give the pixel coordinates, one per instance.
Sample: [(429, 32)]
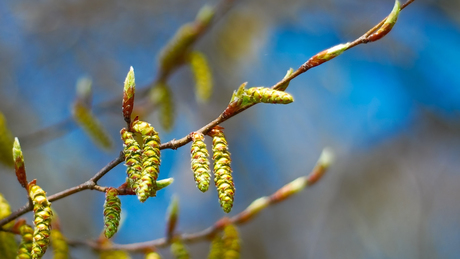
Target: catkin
[(202, 74), (222, 171), (161, 95), (111, 254), (59, 245), (267, 95), (133, 158), (42, 219), (150, 159), (6, 143), (217, 248), (114, 254), (179, 250), (199, 162), (25, 248), (7, 241), (231, 243), (112, 210), (174, 50), (91, 125), (152, 255)]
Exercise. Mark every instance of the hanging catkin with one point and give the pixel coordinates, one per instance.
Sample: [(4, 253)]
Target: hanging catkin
[(112, 210), (150, 159), (42, 219), (222, 170), (200, 162)]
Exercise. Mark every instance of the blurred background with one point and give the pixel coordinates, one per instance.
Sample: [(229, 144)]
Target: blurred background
[(389, 110)]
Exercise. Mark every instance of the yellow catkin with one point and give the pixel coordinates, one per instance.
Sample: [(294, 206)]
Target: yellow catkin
[(152, 255), (216, 250), (111, 254), (161, 95), (42, 219), (200, 162), (8, 244), (202, 74), (59, 245), (150, 159), (222, 171), (25, 248), (179, 250), (133, 158), (91, 125), (6, 143), (231, 243)]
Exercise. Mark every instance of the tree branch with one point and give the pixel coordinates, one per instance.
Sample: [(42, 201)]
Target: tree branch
[(174, 144), (245, 216)]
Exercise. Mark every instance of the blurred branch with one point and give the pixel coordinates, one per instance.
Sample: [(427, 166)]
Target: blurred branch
[(244, 216)]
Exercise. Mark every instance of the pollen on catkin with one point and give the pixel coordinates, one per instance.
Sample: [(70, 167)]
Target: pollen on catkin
[(25, 247), (133, 158), (150, 159), (112, 210), (91, 125), (42, 219), (200, 162), (59, 245), (202, 74), (222, 171), (231, 243), (267, 95)]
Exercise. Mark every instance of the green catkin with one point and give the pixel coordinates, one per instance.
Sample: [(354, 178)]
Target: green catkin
[(6, 143), (222, 171), (179, 250), (231, 243), (267, 95), (202, 74), (133, 158), (25, 248), (217, 248), (173, 53), (91, 125), (152, 255), (42, 219), (112, 210), (150, 159), (199, 162), (162, 96), (59, 245), (8, 244)]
